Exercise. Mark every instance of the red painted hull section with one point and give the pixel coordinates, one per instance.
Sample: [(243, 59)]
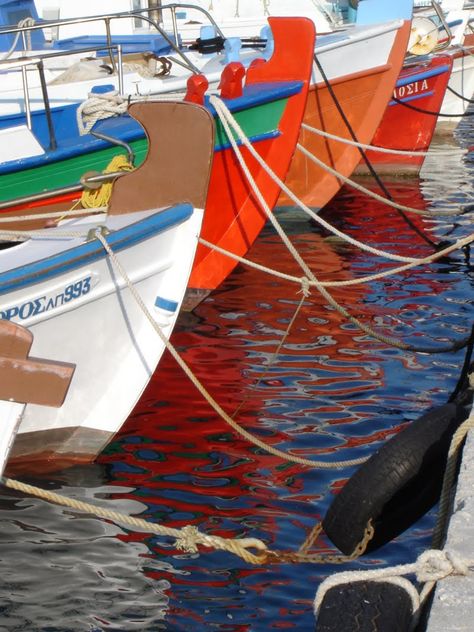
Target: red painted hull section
[(406, 129), (233, 217)]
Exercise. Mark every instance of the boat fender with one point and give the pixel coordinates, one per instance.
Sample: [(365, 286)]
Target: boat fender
[(363, 606), (397, 485)]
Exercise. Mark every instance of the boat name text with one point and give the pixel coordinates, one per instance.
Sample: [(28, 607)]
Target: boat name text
[(42, 304), (410, 89)]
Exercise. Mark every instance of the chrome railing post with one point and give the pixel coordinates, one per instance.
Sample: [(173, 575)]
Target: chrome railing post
[(26, 96), (120, 69)]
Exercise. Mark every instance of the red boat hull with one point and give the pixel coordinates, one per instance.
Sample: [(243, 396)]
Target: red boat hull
[(420, 86), (233, 217)]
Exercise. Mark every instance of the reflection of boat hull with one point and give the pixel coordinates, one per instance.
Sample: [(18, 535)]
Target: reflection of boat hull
[(422, 86), (363, 97)]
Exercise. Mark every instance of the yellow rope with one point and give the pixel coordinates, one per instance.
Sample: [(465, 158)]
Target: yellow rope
[(92, 198)]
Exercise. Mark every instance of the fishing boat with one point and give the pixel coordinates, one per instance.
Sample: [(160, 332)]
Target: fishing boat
[(348, 99), (410, 118), (102, 291), (269, 108)]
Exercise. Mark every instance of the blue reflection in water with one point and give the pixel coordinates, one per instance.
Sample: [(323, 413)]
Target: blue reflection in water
[(332, 393)]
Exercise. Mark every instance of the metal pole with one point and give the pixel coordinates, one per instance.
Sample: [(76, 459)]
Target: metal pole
[(156, 15), (47, 108), (26, 96)]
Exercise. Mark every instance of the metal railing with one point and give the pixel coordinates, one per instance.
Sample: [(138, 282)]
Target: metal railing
[(22, 63), (107, 18)]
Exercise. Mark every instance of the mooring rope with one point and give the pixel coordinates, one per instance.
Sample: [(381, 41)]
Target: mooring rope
[(384, 150), (224, 113), (459, 244), (459, 95), (200, 387), (228, 120), (449, 477), (52, 215), (189, 538), (365, 157), (429, 112), (372, 194)]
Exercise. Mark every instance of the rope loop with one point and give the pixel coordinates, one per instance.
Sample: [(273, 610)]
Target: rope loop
[(435, 565)]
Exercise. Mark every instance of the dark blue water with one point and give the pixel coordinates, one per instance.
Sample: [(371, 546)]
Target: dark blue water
[(332, 393)]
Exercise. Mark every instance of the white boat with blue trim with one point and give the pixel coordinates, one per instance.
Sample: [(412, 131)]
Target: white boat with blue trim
[(74, 286)]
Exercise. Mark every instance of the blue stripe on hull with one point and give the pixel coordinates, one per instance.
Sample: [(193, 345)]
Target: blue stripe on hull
[(413, 98), (92, 251), (421, 76)]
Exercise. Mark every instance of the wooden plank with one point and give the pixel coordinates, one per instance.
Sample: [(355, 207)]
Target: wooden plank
[(32, 381)]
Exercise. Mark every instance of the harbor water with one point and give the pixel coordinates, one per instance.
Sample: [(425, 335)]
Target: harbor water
[(329, 393)]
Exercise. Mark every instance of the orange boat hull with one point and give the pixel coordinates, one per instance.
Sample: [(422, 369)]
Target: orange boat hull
[(363, 97)]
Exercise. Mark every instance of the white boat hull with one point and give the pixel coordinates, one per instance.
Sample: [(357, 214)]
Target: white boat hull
[(88, 316), (461, 82), (10, 419)]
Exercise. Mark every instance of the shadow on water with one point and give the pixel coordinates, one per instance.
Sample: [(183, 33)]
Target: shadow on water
[(332, 393)]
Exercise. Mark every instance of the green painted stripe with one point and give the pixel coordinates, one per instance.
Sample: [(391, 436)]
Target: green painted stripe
[(255, 122)]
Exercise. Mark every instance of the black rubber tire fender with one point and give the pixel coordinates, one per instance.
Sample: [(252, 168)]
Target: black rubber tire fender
[(397, 485), (365, 606)]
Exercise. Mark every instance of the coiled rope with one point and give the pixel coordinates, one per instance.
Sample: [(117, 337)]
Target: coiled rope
[(93, 198), (97, 107)]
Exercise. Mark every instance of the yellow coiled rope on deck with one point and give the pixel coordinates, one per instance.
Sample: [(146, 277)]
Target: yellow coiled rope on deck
[(92, 198)]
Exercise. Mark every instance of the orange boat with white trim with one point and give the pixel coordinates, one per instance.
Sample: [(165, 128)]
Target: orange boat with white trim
[(351, 87)]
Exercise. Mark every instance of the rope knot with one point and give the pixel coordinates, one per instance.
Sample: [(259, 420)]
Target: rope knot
[(460, 567), (305, 287), (436, 565), (188, 539)]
